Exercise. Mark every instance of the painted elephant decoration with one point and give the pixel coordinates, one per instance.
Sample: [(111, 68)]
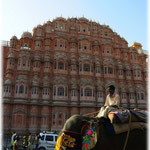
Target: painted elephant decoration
[(86, 133)]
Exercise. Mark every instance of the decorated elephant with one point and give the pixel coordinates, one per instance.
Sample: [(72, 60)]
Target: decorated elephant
[(86, 133)]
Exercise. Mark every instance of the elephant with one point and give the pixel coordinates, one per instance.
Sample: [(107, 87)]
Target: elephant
[(87, 133)]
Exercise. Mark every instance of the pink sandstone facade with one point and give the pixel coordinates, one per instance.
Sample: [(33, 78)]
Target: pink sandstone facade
[(63, 68)]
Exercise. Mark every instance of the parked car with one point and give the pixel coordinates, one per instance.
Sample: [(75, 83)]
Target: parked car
[(47, 141)]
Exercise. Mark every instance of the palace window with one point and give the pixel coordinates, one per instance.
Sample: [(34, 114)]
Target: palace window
[(36, 64), (54, 91), (73, 92), (35, 91), (105, 33), (87, 67), (16, 88), (66, 91), (61, 91), (140, 96), (123, 95), (73, 67), (100, 94), (97, 69), (45, 91), (131, 95), (110, 70), (60, 116), (53, 116), (47, 65), (105, 70), (55, 65), (21, 89), (65, 66), (61, 65), (73, 45), (81, 91), (11, 62), (85, 47), (128, 72), (26, 90), (55, 43), (120, 72), (84, 30), (7, 89), (61, 43), (80, 67), (59, 122), (88, 91)]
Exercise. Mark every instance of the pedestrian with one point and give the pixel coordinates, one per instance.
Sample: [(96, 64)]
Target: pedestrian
[(13, 137), (29, 141), (36, 141), (16, 138), (25, 143)]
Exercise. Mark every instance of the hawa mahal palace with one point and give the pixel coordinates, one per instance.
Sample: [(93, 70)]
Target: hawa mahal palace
[(63, 68)]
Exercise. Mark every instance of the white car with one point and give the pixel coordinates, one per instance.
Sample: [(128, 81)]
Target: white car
[(47, 141)]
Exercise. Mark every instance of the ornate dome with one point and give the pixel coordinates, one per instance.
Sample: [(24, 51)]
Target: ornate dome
[(14, 38), (11, 55), (8, 81), (26, 35), (60, 19), (39, 26), (83, 19)]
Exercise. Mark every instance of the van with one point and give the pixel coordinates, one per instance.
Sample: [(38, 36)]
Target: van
[(47, 141)]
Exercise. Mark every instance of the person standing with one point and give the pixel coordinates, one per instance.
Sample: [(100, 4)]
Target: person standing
[(16, 138), (36, 141), (13, 139), (29, 141), (25, 142)]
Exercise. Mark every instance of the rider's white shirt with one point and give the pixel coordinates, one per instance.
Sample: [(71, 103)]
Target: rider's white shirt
[(111, 101)]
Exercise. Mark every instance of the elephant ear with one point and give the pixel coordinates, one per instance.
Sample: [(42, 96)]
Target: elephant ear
[(89, 137)]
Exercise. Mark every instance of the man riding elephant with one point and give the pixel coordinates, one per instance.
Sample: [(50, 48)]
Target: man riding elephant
[(112, 103), (87, 133)]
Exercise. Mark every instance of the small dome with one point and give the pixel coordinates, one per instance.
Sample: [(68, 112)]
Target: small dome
[(83, 19), (60, 19), (8, 81), (39, 26), (14, 38), (48, 22), (26, 35), (11, 55)]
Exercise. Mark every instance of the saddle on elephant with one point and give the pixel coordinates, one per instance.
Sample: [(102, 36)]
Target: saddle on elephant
[(123, 119)]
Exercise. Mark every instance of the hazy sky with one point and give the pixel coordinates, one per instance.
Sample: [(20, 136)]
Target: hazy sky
[(126, 17)]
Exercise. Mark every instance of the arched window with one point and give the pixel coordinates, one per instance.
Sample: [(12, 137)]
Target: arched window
[(55, 43), (60, 65), (110, 70), (16, 88), (88, 91), (54, 91), (61, 43), (21, 89), (24, 61), (87, 67), (142, 96), (60, 91), (98, 69)]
